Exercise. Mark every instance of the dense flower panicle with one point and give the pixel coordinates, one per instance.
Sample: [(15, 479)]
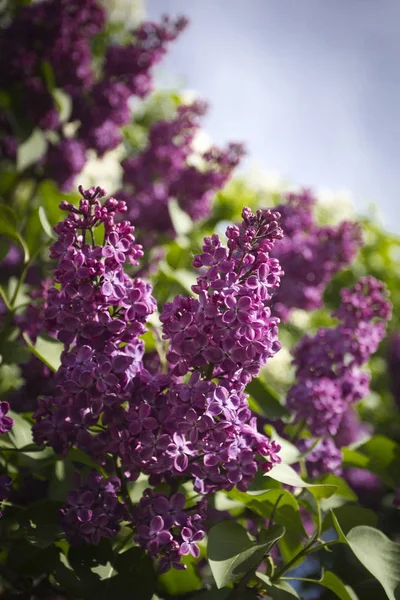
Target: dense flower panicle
[(132, 62), (161, 172), (393, 365), (196, 429), (98, 313), (93, 510), (328, 364), (229, 326), (167, 530), (310, 255)]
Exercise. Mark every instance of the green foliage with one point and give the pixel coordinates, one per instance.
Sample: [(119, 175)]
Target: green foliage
[(231, 552)]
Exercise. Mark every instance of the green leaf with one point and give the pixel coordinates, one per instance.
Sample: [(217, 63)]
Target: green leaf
[(266, 400), (348, 517), (4, 249), (278, 591), (287, 475), (30, 151), (47, 228), (134, 577), (379, 555), (44, 523), (288, 452), (8, 228), (64, 104), (232, 554), (181, 221), (21, 433), (264, 502), (178, 583), (48, 75), (32, 561), (48, 352), (331, 582)]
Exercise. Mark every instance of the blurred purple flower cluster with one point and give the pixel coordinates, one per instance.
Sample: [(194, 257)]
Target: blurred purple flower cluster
[(328, 363), (161, 172), (310, 255), (48, 46)]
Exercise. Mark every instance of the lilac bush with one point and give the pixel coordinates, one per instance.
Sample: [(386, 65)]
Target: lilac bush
[(155, 441)]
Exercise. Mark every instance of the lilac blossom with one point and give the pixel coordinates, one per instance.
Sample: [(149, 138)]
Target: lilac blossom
[(161, 172), (229, 326), (328, 364), (167, 530), (93, 510), (98, 313), (310, 255)]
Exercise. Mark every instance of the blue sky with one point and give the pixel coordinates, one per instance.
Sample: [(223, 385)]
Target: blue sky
[(311, 86)]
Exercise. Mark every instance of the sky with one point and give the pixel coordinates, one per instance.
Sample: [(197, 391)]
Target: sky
[(311, 86)]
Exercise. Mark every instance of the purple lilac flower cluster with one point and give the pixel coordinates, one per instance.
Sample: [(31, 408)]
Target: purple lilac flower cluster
[(310, 255), (167, 530), (98, 313), (158, 424), (161, 172), (55, 35), (49, 44), (6, 424), (393, 365), (229, 326), (328, 364), (93, 510)]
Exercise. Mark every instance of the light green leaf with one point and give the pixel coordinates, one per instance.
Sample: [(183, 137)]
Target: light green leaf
[(48, 352), (47, 228), (64, 104), (379, 555), (288, 452), (287, 475), (263, 503), (232, 554), (181, 221), (31, 150), (177, 583)]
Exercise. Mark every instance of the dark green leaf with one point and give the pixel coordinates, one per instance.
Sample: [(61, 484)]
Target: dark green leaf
[(278, 591), (29, 560), (9, 229), (266, 399), (231, 553)]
